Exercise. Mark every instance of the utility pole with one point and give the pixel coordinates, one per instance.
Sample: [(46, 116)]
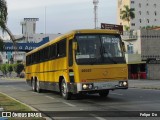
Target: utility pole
[(95, 3)]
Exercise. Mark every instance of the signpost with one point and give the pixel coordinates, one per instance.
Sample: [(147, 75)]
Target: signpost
[(112, 27)]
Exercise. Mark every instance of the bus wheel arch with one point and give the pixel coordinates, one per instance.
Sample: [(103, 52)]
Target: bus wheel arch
[(64, 88)]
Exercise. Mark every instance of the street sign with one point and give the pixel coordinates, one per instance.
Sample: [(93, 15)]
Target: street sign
[(112, 27)]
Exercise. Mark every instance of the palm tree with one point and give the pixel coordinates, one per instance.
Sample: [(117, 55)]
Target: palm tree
[(3, 19), (127, 14)]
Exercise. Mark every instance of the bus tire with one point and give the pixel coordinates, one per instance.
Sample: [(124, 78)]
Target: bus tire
[(104, 93), (34, 85), (64, 90), (38, 89)]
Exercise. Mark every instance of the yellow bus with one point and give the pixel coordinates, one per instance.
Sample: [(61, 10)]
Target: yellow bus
[(81, 61)]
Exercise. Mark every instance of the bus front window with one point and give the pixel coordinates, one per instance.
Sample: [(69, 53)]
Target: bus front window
[(98, 49), (111, 46)]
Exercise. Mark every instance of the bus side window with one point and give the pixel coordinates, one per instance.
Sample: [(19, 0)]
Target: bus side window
[(52, 51), (61, 48), (70, 53)]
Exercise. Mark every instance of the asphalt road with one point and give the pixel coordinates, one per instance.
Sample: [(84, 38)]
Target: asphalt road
[(139, 100)]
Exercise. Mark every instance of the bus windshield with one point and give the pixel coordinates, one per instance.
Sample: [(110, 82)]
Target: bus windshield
[(99, 49)]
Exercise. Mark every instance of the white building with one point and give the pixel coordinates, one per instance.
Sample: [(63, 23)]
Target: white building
[(147, 13), (30, 36)]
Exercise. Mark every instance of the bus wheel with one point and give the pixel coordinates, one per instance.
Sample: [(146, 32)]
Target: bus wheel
[(104, 93), (38, 86), (33, 85), (64, 90)]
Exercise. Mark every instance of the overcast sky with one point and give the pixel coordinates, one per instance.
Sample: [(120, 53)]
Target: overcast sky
[(61, 15)]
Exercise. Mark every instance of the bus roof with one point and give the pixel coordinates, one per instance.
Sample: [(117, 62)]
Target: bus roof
[(72, 33)]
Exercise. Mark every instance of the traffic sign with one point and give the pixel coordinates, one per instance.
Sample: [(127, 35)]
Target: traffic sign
[(112, 27)]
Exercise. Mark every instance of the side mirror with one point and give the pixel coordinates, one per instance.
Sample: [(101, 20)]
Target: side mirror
[(123, 47), (74, 46)]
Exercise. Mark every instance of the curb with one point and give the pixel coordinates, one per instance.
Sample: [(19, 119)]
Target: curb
[(32, 108), (19, 102), (149, 88)]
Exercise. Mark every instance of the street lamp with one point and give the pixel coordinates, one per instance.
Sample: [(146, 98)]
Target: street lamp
[(95, 3)]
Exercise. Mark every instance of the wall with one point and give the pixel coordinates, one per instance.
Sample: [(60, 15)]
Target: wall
[(153, 71)]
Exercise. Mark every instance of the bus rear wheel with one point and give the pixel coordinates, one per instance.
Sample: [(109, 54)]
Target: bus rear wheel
[(38, 89), (104, 93), (34, 85), (64, 90)]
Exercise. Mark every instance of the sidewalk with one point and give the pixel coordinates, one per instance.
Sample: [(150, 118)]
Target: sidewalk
[(144, 84)]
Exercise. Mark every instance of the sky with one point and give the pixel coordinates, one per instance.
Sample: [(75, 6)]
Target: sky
[(61, 15)]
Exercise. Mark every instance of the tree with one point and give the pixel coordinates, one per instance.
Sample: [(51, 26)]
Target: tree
[(18, 68), (127, 14), (1, 44), (10, 69), (3, 19), (4, 69), (3, 22)]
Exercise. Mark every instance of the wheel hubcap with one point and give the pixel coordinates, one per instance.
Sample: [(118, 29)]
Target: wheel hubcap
[(64, 88)]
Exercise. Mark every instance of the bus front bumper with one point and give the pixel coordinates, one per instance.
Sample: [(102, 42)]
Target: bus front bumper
[(96, 86)]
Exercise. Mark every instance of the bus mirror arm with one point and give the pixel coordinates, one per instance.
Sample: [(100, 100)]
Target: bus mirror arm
[(123, 47), (74, 46)]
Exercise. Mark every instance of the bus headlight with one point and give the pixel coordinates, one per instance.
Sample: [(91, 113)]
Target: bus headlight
[(90, 86), (123, 83), (87, 86)]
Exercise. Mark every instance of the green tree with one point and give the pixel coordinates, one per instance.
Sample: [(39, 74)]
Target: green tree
[(18, 68), (1, 44), (3, 19), (127, 14), (4, 69), (10, 69), (3, 22)]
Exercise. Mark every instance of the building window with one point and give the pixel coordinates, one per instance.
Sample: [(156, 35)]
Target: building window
[(147, 20), (147, 12), (147, 4), (155, 5), (140, 12), (132, 2), (133, 9), (130, 48), (155, 20), (155, 13), (140, 20), (140, 5), (133, 24)]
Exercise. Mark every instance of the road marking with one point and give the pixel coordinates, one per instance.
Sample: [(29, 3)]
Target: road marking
[(69, 104), (50, 97), (98, 118), (116, 94)]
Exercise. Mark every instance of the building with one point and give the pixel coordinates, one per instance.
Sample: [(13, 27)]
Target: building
[(143, 56), (30, 36), (146, 13)]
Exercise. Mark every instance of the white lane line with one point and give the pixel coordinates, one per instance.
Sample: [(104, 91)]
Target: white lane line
[(69, 104), (98, 118), (50, 97), (116, 94)]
